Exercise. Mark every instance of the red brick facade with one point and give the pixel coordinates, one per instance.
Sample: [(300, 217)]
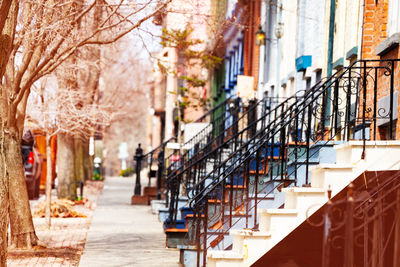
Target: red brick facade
[(251, 50), (374, 33)]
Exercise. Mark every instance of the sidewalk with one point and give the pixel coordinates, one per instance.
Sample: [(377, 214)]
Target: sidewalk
[(63, 243), (125, 235)]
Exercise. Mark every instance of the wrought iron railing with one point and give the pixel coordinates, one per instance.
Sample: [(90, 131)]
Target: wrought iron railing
[(165, 162), (201, 160), (342, 107), (359, 226), (214, 118)]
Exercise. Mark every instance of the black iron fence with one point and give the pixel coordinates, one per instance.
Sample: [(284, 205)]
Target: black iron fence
[(276, 149), (227, 136)]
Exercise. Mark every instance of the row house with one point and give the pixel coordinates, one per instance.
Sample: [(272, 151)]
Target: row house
[(297, 163)]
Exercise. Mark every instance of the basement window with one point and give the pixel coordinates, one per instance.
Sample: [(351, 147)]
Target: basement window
[(384, 131)]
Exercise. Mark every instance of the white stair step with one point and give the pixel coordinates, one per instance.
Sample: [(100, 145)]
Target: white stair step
[(251, 244), (350, 152), (305, 199), (240, 235), (224, 258), (333, 176), (272, 220)]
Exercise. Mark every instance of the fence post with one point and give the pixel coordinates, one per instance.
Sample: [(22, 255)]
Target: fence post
[(160, 172), (138, 158)]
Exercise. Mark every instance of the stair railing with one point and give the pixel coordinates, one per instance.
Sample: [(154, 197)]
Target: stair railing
[(216, 116), (154, 157), (369, 202), (210, 155), (335, 109)]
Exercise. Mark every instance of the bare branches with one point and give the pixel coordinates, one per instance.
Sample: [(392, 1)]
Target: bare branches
[(4, 9), (51, 31)]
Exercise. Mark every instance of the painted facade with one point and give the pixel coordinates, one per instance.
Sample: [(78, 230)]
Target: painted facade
[(181, 15), (293, 55)]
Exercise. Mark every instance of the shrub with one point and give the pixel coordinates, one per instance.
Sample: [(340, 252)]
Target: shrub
[(97, 177), (127, 172)]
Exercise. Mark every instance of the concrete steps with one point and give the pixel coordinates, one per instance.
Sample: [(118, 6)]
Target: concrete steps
[(302, 202)]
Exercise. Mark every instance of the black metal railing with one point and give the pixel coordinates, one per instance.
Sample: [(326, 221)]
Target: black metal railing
[(342, 107), (360, 222), (164, 163), (148, 160), (201, 160)]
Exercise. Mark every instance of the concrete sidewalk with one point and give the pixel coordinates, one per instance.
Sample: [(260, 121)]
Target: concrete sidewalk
[(124, 235)]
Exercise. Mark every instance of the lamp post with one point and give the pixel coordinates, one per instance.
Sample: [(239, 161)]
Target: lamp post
[(138, 158)]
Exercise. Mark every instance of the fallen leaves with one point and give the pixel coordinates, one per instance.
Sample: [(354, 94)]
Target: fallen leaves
[(60, 208)]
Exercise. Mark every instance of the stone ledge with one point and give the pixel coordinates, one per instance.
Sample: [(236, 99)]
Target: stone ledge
[(387, 45), (139, 200)]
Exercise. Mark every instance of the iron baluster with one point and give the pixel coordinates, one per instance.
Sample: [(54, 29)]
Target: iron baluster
[(365, 213), (198, 232), (375, 101), (256, 185), (205, 228), (364, 107), (348, 111), (391, 97), (296, 128), (323, 112), (282, 144), (336, 108), (245, 189), (326, 234), (231, 202), (308, 136), (160, 172), (349, 244)]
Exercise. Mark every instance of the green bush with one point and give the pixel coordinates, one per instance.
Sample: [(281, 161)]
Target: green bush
[(127, 172), (97, 177)]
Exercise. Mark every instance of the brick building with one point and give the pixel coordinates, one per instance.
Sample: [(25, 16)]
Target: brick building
[(380, 41)]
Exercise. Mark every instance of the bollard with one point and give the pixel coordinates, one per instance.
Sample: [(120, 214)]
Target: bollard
[(138, 158), (160, 172)]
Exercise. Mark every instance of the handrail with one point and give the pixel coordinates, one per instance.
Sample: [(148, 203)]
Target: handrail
[(313, 103), (223, 103), (274, 131)]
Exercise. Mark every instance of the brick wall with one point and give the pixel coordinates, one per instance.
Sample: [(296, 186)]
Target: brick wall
[(374, 33), (374, 27), (252, 51)]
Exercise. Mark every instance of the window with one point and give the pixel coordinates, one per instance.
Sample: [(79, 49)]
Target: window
[(308, 83), (318, 75), (393, 18), (230, 7)]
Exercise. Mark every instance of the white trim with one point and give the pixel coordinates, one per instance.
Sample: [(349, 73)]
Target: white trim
[(393, 24)]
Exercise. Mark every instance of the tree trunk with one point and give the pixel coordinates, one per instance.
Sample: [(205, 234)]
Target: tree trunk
[(3, 206), (66, 167), (49, 180), (22, 230), (88, 161), (79, 162)]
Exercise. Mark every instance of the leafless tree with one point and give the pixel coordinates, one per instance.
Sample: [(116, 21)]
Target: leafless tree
[(36, 37)]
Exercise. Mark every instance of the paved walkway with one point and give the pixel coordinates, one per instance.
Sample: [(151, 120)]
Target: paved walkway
[(125, 235), (63, 243)]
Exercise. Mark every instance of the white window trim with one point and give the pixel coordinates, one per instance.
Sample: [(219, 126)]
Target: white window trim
[(393, 25)]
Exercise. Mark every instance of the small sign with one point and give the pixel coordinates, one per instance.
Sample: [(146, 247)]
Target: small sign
[(123, 151), (245, 87)]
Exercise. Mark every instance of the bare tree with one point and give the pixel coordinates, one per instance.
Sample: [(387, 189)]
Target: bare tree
[(71, 118), (125, 73), (38, 36)]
